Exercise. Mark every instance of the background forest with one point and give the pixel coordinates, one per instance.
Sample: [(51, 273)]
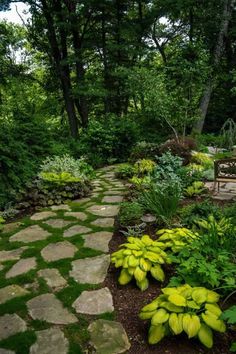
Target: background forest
[(93, 78)]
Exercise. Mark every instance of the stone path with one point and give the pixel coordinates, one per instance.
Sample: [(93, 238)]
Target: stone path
[(227, 191), (52, 268)]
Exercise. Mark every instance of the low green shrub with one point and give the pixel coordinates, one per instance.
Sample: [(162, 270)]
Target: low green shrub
[(124, 171), (130, 213), (144, 150), (230, 317), (144, 167), (177, 149), (176, 239), (197, 188)]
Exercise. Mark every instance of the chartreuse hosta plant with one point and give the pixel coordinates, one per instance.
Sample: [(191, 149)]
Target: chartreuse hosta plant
[(137, 257), (195, 189), (184, 309), (143, 167), (177, 238)]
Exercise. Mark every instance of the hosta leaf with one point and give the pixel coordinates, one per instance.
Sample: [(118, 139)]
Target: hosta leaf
[(150, 307), (192, 304), (158, 273), (171, 307), (213, 321), (191, 324), (177, 300), (143, 285), (131, 246), (156, 333), (133, 261), (199, 295), (131, 270), (139, 274), (170, 291), (176, 323), (160, 316), (146, 315), (124, 277), (146, 240), (205, 336), (212, 296), (145, 264), (214, 308)]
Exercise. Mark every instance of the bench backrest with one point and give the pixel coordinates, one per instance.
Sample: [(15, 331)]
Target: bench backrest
[(225, 168)]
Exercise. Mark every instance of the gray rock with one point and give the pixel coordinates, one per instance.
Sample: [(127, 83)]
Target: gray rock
[(22, 266), (104, 210), (53, 278), (112, 199), (94, 302), (98, 240), (76, 230), (60, 207), (48, 308), (108, 337), (6, 351), (42, 215), (57, 223), (91, 270), (81, 201), (103, 222), (77, 214), (114, 192), (11, 325), (12, 255), (223, 196), (30, 234), (60, 250), (50, 341), (10, 292), (11, 227)]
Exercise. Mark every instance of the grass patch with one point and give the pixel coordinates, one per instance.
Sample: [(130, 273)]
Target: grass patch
[(20, 343), (77, 335), (16, 305)]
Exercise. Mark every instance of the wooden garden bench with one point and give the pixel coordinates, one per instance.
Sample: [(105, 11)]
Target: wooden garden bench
[(225, 171)]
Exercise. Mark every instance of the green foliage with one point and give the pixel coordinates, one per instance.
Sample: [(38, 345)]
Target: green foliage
[(197, 188), (193, 310), (177, 148), (137, 257), (230, 316), (202, 159), (228, 134), (130, 213), (124, 171), (176, 239), (140, 182), (230, 212), (168, 168), (144, 150), (1, 222), (144, 167), (61, 179)]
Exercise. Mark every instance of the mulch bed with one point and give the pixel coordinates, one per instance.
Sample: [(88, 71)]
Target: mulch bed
[(128, 300)]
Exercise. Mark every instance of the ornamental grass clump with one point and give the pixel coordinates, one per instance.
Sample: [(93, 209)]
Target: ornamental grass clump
[(193, 310), (176, 238), (137, 257)]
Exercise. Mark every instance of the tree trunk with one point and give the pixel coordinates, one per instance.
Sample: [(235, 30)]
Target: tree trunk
[(219, 49)]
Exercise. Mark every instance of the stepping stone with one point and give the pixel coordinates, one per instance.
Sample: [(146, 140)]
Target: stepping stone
[(61, 207), (11, 325), (98, 240), (60, 250), (104, 210), (1, 267), (53, 278), (76, 230), (103, 222), (12, 255), (94, 302), (77, 214), (6, 351), (57, 223), (97, 189), (22, 266), (50, 341), (10, 292), (114, 192), (30, 234), (112, 199), (92, 270), (223, 196), (108, 337), (43, 215), (48, 308), (11, 227), (82, 200)]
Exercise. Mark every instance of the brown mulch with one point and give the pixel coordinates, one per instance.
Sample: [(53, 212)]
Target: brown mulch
[(128, 300)]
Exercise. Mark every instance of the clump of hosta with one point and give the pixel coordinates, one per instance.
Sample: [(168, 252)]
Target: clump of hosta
[(196, 188), (202, 159), (177, 238), (184, 309), (143, 167), (221, 227), (137, 257)]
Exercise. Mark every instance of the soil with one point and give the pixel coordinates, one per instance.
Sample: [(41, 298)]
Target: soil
[(128, 300)]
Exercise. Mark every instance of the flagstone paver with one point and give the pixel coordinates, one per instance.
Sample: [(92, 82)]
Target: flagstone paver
[(42, 215), (12, 255), (77, 214), (112, 199), (94, 302), (21, 267), (114, 192), (60, 250), (10, 292), (61, 207), (108, 337), (50, 341), (98, 240), (104, 210), (91, 270), (11, 325), (103, 222), (81, 201), (48, 308), (11, 227), (76, 230), (53, 278), (30, 234), (57, 223), (6, 351)]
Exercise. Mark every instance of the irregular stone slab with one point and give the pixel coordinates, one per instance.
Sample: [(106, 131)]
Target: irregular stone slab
[(91, 270), (112, 199), (11, 325), (57, 223), (6, 351), (77, 214), (76, 230), (82, 200), (43, 215), (1, 267), (50, 341), (223, 196), (114, 192), (11, 227), (104, 210), (108, 337), (48, 308), (103, 222), (12, 255), (98, 240), (30, 234), (10, 292), (53, 278), (22, 266), (94, 302), (60, 250), (60, 207)]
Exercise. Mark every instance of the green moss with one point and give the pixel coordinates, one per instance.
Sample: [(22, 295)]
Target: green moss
[(20, 343)]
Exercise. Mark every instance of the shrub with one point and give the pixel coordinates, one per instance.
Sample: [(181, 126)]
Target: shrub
[(230, 316), (196, 189), (177, 149), (144, 150), (202, 159), (137, 257), (124, 171), (130, 213), (176, 238), (192, 310), (1, 223), (144, 167)]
